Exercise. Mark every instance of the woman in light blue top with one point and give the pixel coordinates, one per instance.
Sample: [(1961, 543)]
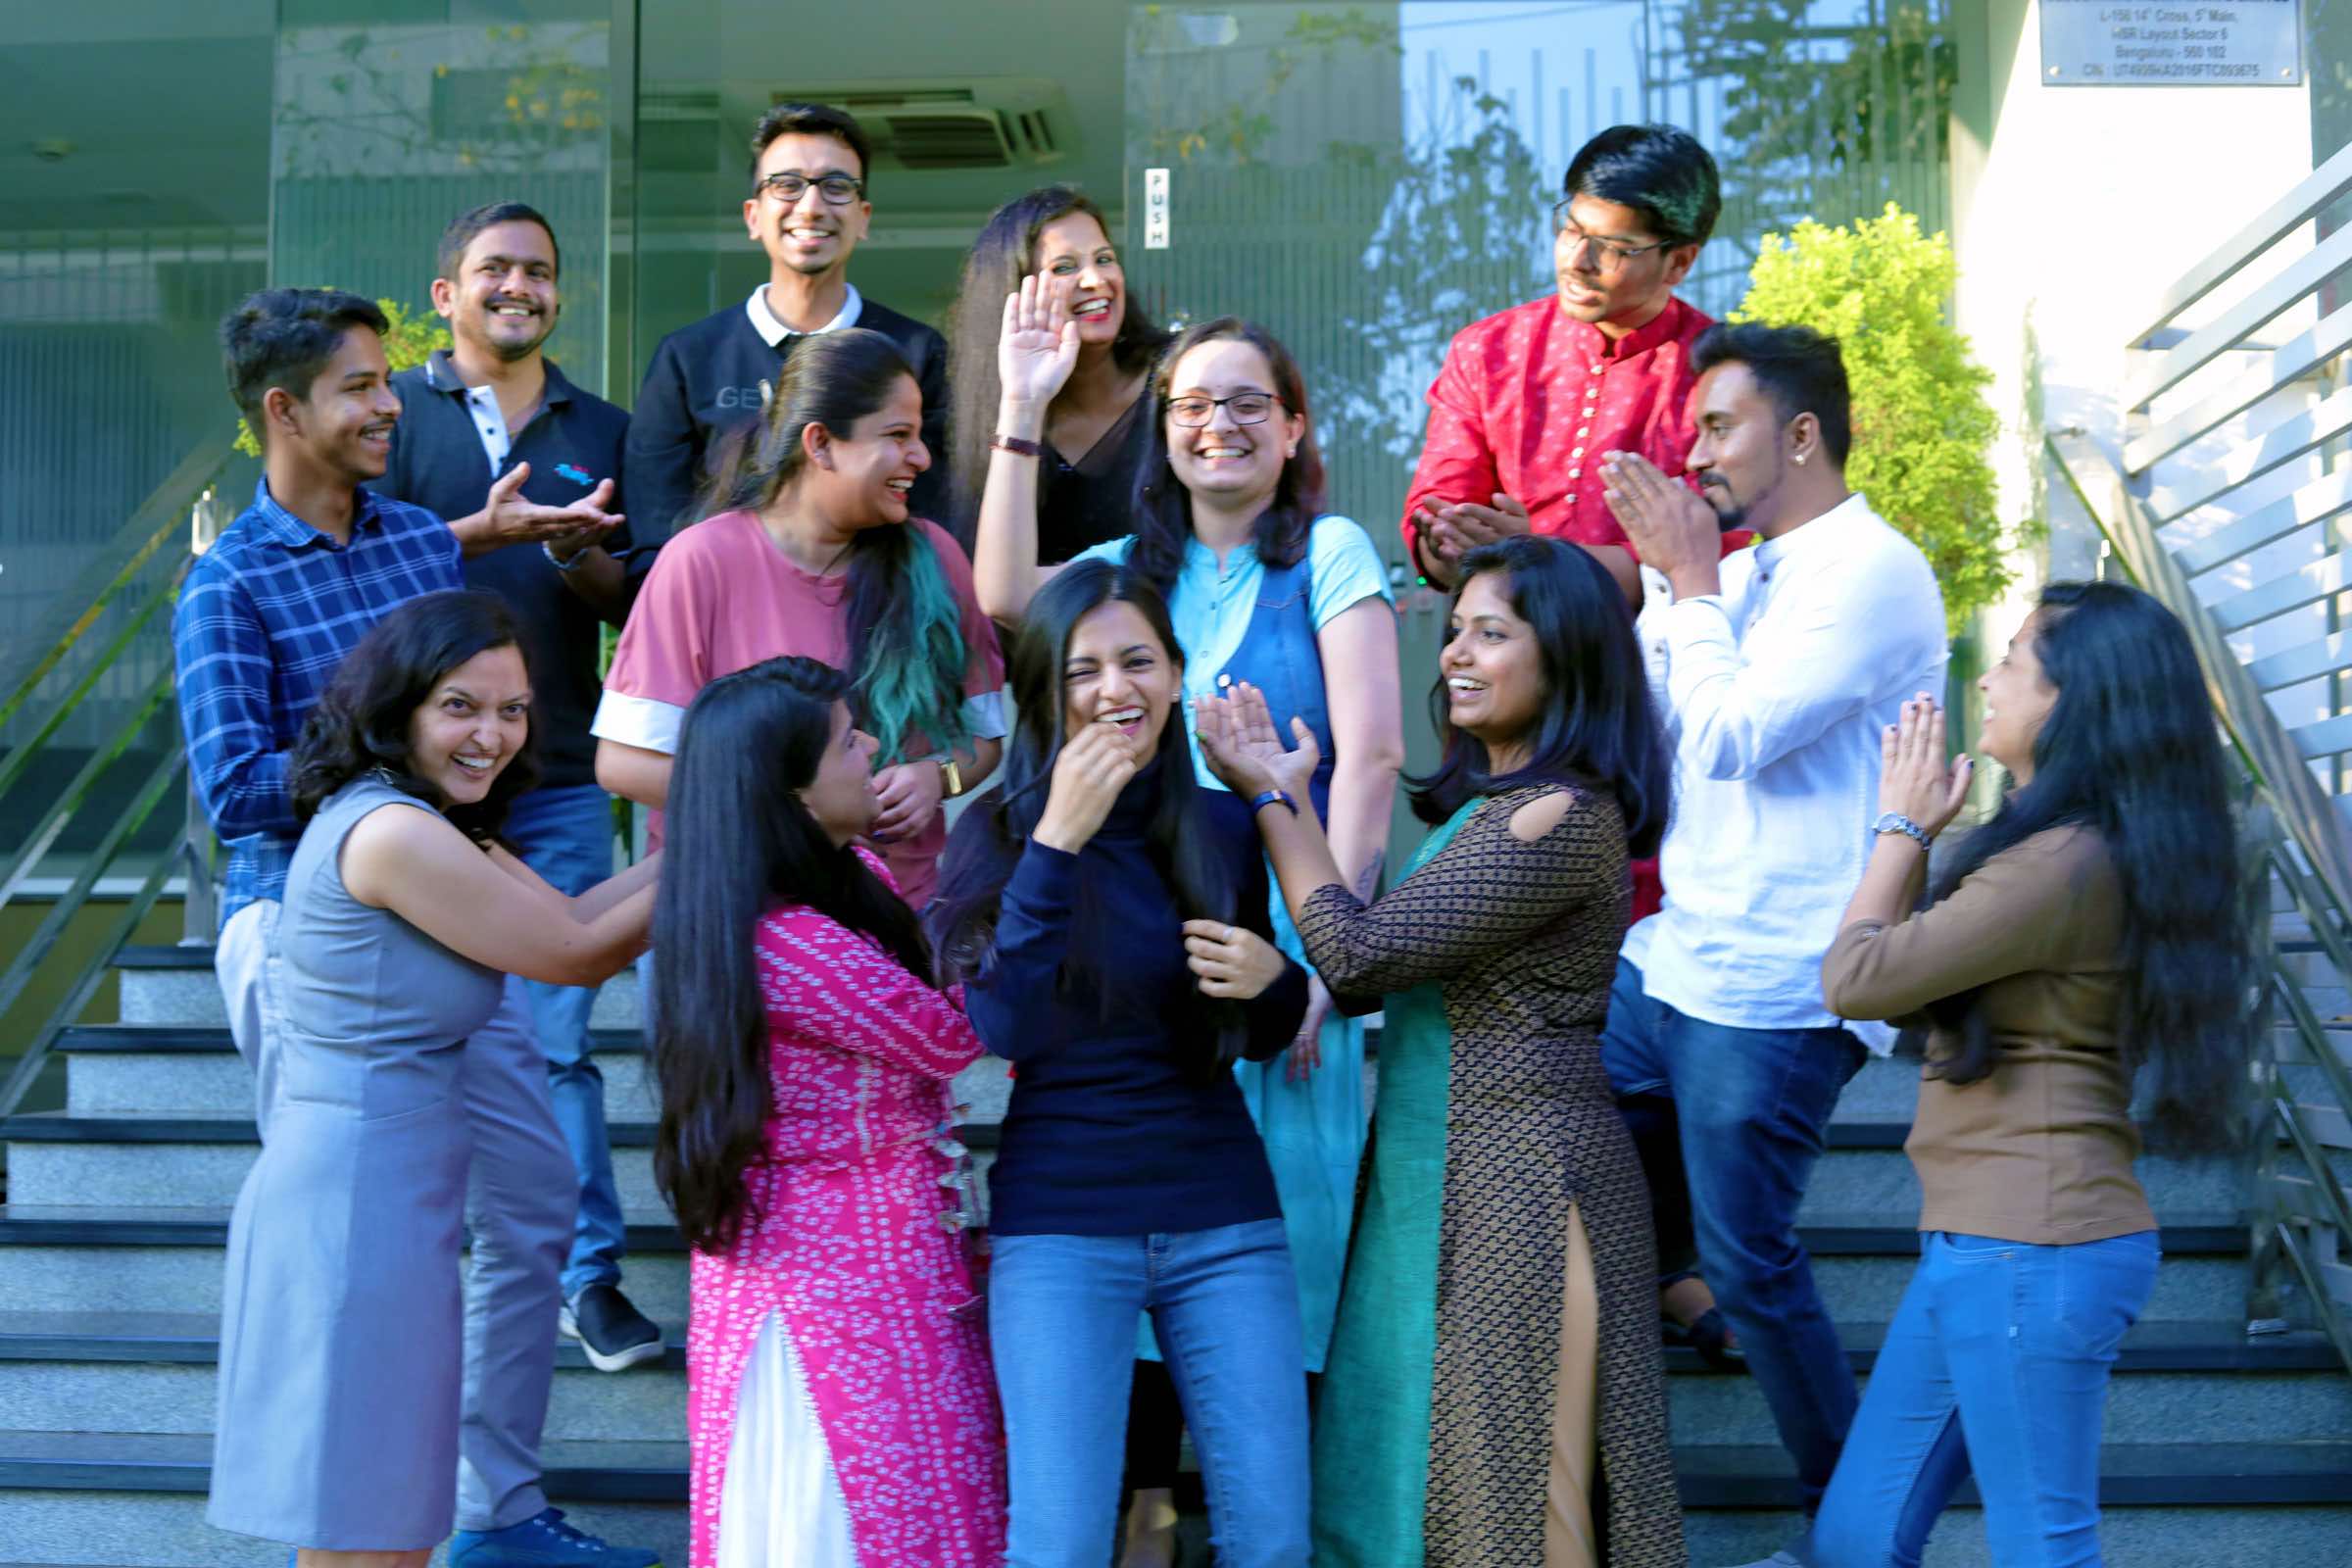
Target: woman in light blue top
[(1265, 587)]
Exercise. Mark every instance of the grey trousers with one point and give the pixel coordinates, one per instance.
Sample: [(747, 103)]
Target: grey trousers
[(519, 1203)]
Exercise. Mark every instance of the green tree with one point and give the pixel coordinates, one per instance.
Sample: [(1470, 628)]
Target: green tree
[(410, 341), (1922, 426)]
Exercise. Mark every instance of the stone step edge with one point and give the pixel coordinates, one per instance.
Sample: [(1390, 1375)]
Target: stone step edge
[(60, 1127), (2130, 1475), (108, 1226), (193, 1339)]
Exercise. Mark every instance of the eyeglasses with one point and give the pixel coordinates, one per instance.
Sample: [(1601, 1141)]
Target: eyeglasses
[(1247, 408), (837, 189), (1613, 253)]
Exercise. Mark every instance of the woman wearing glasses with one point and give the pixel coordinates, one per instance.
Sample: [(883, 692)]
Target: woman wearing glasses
[(1263, 586)]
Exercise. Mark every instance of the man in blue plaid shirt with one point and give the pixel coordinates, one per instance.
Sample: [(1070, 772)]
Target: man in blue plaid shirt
[(265, 616)]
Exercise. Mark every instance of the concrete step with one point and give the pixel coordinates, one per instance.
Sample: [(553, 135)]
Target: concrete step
[(175, 984), (92, 1260), (201, 1162), (65, 1492), (2142, 1536), (155, 1373), (84, 1497), (193, 1072)]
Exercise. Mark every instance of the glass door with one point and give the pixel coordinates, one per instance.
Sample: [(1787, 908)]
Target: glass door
[(1367, 179)]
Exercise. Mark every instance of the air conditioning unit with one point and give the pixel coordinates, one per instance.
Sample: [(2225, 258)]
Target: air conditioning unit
[(995, 122)]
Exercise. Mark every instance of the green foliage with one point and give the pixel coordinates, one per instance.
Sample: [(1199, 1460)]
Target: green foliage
[(1922, 426), (410, 341)]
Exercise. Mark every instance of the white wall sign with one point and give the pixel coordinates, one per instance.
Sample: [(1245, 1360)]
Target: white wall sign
[(2239, 43)]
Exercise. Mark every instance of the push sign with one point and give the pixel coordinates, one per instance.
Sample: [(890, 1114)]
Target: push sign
[(1155, 209)]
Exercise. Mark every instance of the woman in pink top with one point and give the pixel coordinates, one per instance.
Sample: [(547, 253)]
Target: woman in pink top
[(816, 555), (839, 1398)]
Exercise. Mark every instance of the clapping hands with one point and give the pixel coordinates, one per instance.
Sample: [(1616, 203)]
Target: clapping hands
[(1245, 750), (1915, 780)]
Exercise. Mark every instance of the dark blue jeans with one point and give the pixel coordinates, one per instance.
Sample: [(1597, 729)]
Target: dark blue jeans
[(565, 835), (1996, 1361), (1746, 1110)]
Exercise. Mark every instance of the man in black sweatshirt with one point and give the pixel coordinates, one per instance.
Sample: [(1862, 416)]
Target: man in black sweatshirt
[(807, 209)]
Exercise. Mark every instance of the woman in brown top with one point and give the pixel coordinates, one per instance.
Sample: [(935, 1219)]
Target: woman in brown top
[(2077, 941)]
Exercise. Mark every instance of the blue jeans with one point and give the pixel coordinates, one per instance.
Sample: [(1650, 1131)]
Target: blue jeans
[(565, 835), (1748, 1107), (1062, 1327), (1996, 1360)]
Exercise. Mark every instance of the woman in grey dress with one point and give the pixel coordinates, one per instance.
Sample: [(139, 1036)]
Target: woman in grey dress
[(341, 1335)]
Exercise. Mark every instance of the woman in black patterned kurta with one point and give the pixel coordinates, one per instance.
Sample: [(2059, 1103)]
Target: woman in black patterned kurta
[(1496, 1339)]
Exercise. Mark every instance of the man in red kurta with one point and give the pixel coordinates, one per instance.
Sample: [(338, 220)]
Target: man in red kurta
[(1528, 399)]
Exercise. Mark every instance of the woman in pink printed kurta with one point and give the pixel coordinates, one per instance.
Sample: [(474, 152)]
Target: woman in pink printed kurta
[(840, 1402), (849, 1245)]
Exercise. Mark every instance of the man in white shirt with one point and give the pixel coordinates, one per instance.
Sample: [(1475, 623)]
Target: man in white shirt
[(1777, 670)]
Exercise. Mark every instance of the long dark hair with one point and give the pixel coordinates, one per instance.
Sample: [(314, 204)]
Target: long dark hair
[(1598, 728), (1164, 508), (1005, 253), (2129, 751), (741, 843), (987, 843), (361, 724), (907, 649)]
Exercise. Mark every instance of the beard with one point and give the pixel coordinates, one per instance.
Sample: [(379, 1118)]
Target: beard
[(511, 349), (1729, 516)]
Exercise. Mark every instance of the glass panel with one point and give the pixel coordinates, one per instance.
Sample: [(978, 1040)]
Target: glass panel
[(391, 119), (139, 217), (1368, 180)]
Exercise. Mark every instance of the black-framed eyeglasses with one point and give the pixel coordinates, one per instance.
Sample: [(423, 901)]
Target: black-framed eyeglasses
[(1247, 408), (837, 189), (1613, 253)]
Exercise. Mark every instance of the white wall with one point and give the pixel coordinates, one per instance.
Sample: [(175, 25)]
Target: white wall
[(2070, 220)]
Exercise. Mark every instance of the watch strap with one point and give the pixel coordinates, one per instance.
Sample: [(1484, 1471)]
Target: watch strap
[(1280, 798), (1016, 445), (1898, 822)]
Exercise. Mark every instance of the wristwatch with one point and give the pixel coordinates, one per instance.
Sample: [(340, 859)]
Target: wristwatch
[(1898, 822)]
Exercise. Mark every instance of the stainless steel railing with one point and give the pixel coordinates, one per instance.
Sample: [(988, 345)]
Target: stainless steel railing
[(2230, 504)]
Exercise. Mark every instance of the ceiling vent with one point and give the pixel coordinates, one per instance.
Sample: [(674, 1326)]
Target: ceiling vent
[(995, 122)]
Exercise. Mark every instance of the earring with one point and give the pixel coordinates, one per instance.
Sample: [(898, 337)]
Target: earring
[(1800, 460), (1291, 452)]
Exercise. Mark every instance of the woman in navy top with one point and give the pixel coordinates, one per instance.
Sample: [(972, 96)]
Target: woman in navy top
[(1110, 916)]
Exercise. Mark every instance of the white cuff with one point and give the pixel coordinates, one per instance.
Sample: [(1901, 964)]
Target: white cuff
[(984, 715), (638, 721)]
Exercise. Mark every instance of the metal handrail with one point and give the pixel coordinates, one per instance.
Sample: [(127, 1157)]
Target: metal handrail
[(162, 516), (76, 794)]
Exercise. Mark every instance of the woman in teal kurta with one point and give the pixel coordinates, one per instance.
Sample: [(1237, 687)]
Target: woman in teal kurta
[(1493, 1393)]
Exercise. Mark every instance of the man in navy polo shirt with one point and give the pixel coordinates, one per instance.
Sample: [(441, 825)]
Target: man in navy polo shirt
[(493, 416), (265, 616), (807, 209)]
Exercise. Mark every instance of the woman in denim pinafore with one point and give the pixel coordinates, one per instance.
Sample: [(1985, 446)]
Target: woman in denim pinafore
[(1263, 588)]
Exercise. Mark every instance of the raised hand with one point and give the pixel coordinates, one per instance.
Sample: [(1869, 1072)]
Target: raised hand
[(1246, 751), (1915, 780), (1094, 765), (1037, 347)]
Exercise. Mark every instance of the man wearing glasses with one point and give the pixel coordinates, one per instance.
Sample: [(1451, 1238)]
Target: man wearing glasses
[(807, 209), (1528, 399)]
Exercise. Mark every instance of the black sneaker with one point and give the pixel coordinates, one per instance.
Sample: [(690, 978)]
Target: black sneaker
[(614, 1333)]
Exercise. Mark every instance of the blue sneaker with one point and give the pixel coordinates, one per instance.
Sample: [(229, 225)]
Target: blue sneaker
[(543, 1541)]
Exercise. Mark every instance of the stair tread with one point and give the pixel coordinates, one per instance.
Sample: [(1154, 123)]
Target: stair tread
[(195, 1038), (181, 1127), (95, 1224), (2167, 1474), (194, 1336)]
